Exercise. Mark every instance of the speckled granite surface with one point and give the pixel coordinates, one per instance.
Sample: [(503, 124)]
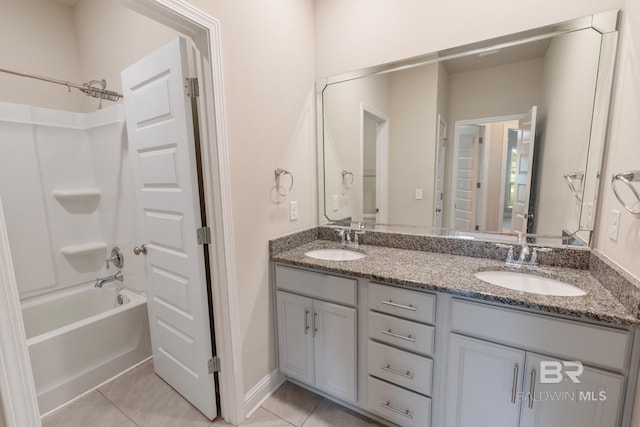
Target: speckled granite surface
[(454, 274), (293, 240), (621, 284), (568, 257)]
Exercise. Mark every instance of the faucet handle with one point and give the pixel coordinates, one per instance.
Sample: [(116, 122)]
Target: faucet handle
[(533, 262), (509, 259), (117, 258)]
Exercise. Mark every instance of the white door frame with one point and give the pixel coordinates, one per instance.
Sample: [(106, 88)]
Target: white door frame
[(18, 391), (382, 159), (441, 148), (18, 387), (454, 168)]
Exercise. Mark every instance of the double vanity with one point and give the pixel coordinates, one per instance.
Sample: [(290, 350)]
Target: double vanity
[(418, 338)]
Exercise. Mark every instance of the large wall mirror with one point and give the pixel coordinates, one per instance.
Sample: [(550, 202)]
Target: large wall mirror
[(487, 140)]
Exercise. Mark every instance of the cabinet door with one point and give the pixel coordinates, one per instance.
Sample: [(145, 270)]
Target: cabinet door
[(295, 336), (482, 384), (335, 349), (593, 402)]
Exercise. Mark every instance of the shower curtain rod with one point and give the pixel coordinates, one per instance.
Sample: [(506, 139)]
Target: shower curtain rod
[(86, 88)]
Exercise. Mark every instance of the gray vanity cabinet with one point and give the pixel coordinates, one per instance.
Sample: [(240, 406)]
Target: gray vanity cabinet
[(317, 330), (496, 379), (425, 358), (400, 354)]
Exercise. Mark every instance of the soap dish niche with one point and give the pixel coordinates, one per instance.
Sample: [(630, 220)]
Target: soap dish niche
[(78, 201), (89, 248)]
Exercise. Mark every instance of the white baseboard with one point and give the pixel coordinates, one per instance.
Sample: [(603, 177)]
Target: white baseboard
[(261, 391)]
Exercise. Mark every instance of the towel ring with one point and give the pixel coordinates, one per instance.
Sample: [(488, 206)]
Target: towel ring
[(627, 177), (279, 173), (347, 179), (569, 178)]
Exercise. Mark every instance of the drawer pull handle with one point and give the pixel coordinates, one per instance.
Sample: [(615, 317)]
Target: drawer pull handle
[(388, 368), (395, 304), (306, 320), (532, 388), (396, 410), (402, 337), (514, 386)]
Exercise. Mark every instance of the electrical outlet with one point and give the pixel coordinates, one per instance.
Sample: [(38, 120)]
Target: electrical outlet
[(293, 211), (335, 203), (418, 193), (614, 225)]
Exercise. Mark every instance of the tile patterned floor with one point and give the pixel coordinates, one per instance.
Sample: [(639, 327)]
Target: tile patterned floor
[(141, 398)]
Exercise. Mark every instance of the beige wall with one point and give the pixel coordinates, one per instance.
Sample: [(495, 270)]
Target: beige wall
[(412, 137), (51, 51), (342, 111), (623, 151), (103, 52), (359, 33), (564, 117)]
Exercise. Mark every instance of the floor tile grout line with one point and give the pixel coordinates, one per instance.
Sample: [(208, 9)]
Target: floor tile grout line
[(275, 415), (117, 407), (312, 411)]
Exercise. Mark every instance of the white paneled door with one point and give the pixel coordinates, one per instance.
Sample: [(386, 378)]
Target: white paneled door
[(161, 138), (524, 157), (466, 178)]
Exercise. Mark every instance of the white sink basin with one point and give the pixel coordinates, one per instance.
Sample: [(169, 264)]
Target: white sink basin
[(530, 283), (335, 254)]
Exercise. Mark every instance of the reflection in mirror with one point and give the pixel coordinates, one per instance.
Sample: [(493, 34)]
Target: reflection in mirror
[(482, 142)]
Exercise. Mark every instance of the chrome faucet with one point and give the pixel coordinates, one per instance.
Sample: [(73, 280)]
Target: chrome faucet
[(102, 281), (524, 248), (525, 251), (345, 235)]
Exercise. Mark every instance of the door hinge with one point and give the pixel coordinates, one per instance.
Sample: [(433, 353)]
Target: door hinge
[(204, 235), (478, 185), (191, 87), (214, 364)]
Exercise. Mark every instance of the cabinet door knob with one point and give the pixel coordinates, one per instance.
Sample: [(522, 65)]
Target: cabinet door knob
[(140, 250)]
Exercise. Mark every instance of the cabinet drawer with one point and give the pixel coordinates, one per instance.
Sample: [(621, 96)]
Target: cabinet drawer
[(571, 340), (409, 304), (398, 405), (401, 333), (400, 367), (317, 285)]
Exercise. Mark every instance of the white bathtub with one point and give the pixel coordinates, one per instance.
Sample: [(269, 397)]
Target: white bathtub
[(78, 339)]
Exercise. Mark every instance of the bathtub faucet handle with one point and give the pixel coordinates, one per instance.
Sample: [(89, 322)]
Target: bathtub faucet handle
[(117, 258)]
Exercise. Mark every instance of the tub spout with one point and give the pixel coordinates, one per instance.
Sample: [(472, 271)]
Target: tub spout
[(101, 281)]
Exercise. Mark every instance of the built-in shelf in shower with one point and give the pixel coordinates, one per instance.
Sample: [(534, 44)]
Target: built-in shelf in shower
[(84, 248), (76, 194)]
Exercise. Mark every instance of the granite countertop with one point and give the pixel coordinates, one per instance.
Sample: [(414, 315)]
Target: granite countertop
[(453, 274)]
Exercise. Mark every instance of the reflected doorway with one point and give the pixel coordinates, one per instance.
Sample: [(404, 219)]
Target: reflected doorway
[(374, 149), (491, 174)]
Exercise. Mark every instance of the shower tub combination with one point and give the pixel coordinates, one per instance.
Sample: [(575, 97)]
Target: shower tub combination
[(78, 339)]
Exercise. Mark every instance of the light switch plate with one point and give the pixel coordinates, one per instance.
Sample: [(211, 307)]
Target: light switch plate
[(293, 211), (335, 203), (418, 193), (614, 225)]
